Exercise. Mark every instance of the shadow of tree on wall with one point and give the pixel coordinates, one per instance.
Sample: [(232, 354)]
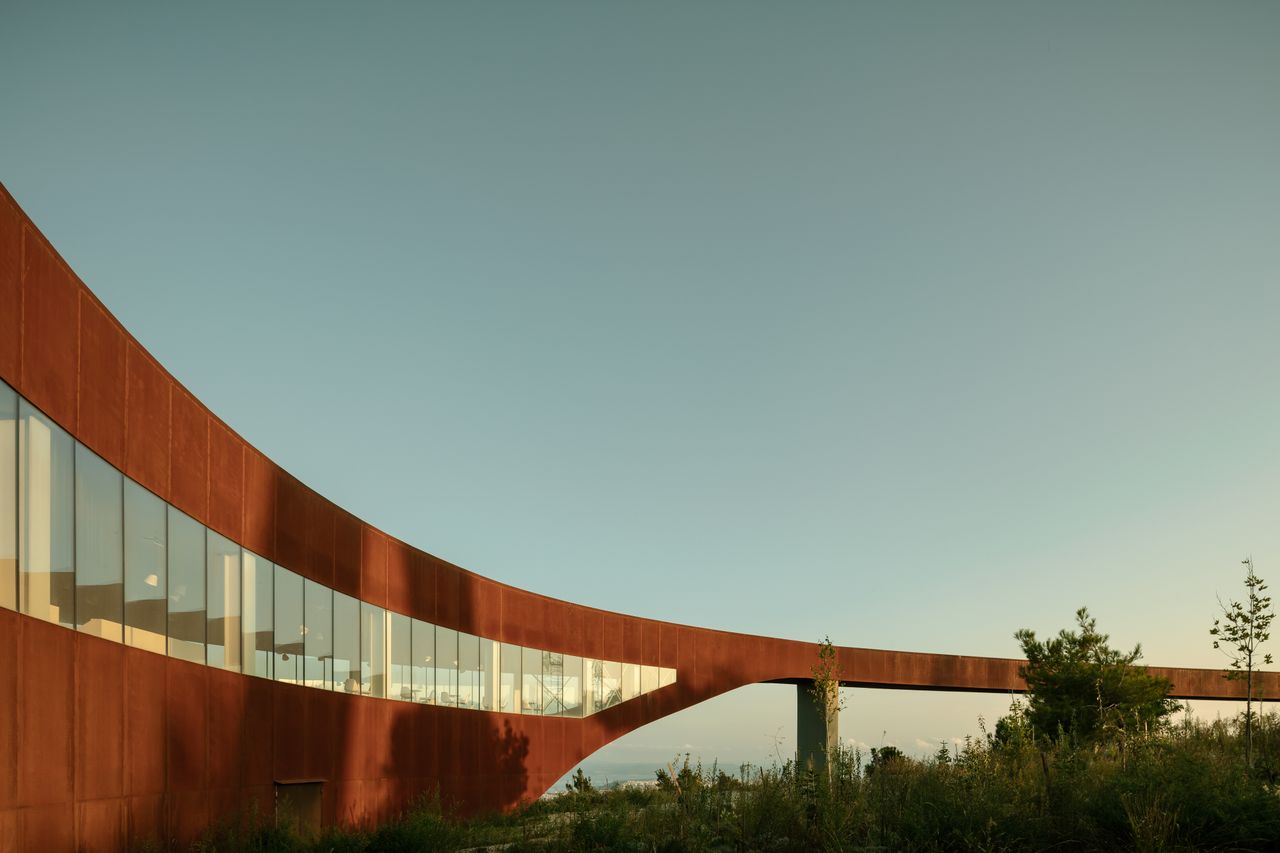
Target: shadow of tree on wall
[(512, 773), (385, 757)]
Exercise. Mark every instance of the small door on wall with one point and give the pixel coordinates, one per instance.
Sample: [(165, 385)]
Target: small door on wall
[(298, 805)]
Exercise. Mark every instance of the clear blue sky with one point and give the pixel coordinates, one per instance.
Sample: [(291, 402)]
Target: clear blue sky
[(907, 323)]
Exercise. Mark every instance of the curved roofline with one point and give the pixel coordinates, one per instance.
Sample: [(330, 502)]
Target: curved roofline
[(392, 542)]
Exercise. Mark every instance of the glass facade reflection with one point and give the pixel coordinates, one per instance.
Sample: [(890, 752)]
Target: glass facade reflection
[(83, 546), (591, 670), (552, 684), (489, 675), (99, 547), (289, 622), (317, 635), (630, 681), (468, 671), (146, 568), (258, 642), (423, 642), (186, 587), (446, 668), (509, 679), (571, 687), (373, 650), (46, 520), (531, 681), (400, 656), (648, 679), (8, 497), (222, 628), (610, 692), (346, 643)]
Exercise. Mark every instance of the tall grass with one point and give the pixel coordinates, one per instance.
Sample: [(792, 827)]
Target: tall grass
[(1184, 787)]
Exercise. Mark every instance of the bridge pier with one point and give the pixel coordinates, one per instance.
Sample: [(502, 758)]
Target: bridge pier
[(817, 732)]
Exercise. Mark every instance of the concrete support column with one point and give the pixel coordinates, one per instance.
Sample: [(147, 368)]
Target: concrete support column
[(817, 733)]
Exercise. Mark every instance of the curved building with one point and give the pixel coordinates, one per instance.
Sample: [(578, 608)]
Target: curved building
[(191, 634)]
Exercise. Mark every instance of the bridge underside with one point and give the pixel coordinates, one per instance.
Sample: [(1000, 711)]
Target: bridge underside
[(818, 733)]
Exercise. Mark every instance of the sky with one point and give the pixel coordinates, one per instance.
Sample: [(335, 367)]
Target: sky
[(911, 324)]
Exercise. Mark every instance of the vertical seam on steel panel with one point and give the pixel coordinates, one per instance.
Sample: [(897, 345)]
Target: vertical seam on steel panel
[(164, 797), (79, 357), (75, 546), (21, 669), (128, 352), (124, 650), (22, 300), (168, 442), (244, 502), (244, 667), (76, 710), (19, 541), (208, 488), (275, 551), (168, 546)]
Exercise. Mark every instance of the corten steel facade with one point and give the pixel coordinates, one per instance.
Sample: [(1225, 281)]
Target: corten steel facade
[(105, 743)]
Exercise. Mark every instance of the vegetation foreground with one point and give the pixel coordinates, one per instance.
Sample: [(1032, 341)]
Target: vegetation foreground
[(1183, 788), (1090, 761)]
